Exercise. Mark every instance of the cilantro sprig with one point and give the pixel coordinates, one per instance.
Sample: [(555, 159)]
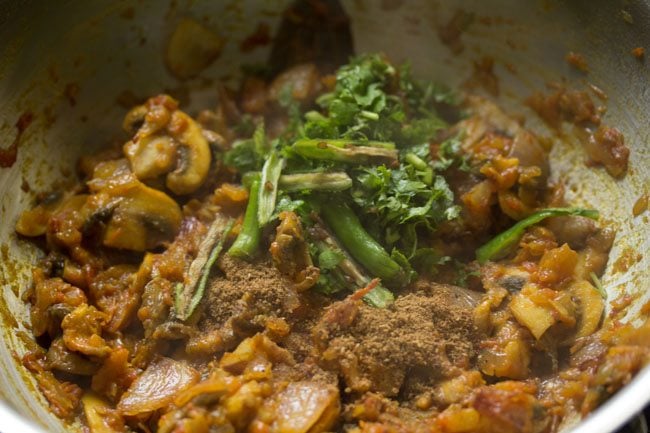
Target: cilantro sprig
[(374, 128)]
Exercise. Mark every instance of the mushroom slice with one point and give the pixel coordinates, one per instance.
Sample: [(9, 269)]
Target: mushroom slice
[(590, 306), (534, 317), (168, 141), (194, 156), (151, 156), (134, 119), (191, 48), (142, 219)]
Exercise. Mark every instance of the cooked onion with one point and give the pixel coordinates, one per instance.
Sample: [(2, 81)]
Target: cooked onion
[(157, 386)]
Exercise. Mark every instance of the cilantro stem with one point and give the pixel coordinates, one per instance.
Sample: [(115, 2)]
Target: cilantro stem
[(269, 188), (416, 161), (369, 115), (361, 246), (500, 244), (315, 182), (245, 246), (351, 152), (325, 99), (314, 116)]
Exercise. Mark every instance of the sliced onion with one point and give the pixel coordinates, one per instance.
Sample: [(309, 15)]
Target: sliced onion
[(307, 407), (157, 386)]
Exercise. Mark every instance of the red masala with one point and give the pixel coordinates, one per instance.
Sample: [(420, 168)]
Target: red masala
[(8, 156)]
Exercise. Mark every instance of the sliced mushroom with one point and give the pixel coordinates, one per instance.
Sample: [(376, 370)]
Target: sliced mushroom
[(590, 305), (151, 156), (109, 174), (142, 219), (151, 152), (191, 48), (134, 119), (534, 317), (124, 213), (167, 141), (194, 155)]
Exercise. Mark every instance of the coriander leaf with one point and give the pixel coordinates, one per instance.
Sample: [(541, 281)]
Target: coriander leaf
[(329, 259), (421, 130), (450, 154), (371, 101), (321, 128), (292, 107), (243, 156), (248, 155), (359, 107), (398, 202), (425, 260), (379, 297), (286, 203), (464, 272), (405, 264), (330, 283), (421, 96)]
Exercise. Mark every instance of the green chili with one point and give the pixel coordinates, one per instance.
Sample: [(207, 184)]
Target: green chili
[(362, 247), (499, 245), (247, 242), (269, 188), (352, 152)]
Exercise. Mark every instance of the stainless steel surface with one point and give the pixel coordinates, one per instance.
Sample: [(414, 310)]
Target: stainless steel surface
[(103, 48)]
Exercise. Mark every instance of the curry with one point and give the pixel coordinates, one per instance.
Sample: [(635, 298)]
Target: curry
[(353, 251)]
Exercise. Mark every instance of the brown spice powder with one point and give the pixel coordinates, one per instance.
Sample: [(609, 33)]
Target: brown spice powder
[(423, 337)]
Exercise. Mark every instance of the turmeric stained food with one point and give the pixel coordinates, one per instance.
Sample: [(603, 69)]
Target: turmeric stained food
[(309, 265)]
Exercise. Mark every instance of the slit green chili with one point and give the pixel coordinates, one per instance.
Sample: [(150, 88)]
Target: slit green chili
[(500, 244), (247, 242), (362, 247)]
